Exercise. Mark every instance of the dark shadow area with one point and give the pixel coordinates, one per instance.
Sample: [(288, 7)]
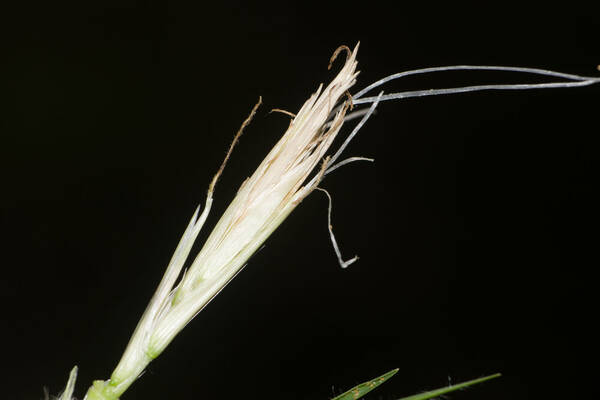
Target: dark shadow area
[(475, 227)]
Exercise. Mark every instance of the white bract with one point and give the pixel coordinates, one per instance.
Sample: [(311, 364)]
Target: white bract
[(261, 204)]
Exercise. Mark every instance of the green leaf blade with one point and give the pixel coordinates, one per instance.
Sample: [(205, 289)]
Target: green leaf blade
[(360, 390), (438, 392)]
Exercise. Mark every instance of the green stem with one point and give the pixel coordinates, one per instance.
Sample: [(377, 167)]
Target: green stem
[(100, 391), (113, 388)]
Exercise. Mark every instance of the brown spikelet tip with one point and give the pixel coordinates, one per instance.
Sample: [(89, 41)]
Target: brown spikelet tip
[(349, 96), (236, 138), (279, 110), (337, 52)]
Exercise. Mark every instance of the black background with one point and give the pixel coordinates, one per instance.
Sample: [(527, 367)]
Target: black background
[(475, 226)]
